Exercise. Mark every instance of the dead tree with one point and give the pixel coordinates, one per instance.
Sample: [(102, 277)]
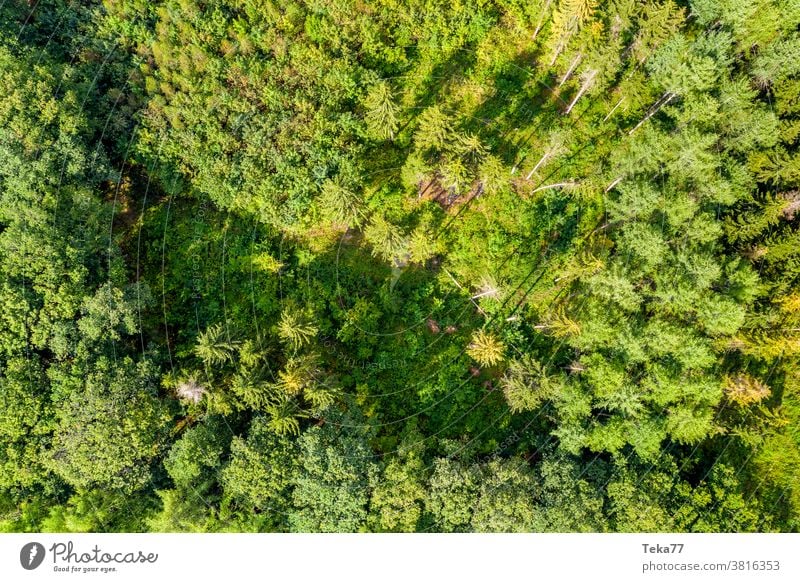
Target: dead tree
[(572, 66), (665, 98), (588, 79)]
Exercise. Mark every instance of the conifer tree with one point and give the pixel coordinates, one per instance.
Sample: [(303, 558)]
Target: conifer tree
[(381, 111), (486, 349)]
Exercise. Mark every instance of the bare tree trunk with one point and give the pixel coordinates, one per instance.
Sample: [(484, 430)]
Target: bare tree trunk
[(541, 19), (571, 69), (485, 294), (478, 307), (536, 167), (613, 109), (655, 109), (561, 45), (556, 185), (614, 183), (584, 87)]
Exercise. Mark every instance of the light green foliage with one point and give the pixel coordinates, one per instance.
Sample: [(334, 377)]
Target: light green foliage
[(453, 491), (110, 425), (260, 471), (398, 498), (485, 348), (336, 475), (179, 514), (100, 510), (434, 131), (25, 421), (215, 345), (381, 112), (295, 329), (340, 204), (507, 499), (682, 66), (387, 240), (194, 460), (526, 384), (568, 500), (109, 314)]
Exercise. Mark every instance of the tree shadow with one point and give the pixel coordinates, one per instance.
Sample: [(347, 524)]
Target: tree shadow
[(516, 110)]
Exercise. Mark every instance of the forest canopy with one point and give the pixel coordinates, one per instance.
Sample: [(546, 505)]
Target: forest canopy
[(400, 266)]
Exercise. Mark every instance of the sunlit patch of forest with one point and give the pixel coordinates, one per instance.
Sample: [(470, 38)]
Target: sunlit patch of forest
[(400, 265)]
